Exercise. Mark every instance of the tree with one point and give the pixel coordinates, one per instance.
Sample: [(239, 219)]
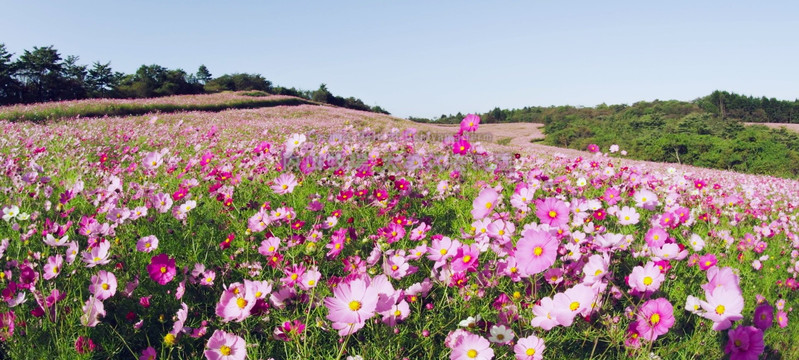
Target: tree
[(239, 82), (41, 73), (9, 86), (203, 75), (101, 81), (74, 85), (322, 95)]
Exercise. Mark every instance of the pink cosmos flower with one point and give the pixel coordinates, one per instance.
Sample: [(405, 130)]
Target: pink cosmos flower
[(310, 279), (470, 347), (466, 258), (655, 318), (148, 354), (103, 285), (721, 278), (723, 306), (707, 261), (552, 212), (470, 123), (161, 268), (147, 244), (745, 343), (646, 279), (225, 346), (351, 305), (98, 255), (656, 237), (529, 348), (484, 203), (53, 266), (92, 311), (536, 251), (152, 160), (284, 184), (782, 319), (236, 303)]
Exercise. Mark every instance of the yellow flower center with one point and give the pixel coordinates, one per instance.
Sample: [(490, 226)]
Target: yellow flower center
[(163, 269), (443, 251), (553, 214), (355, 305), (514, 269), (471, 354), (311, 282), (654, 319), (397, 313), (720, 309), (271, 248), (293, 276), (530, 352), (737, 343), (467, 258), (170, 339), (537, 251), (598, 272), (96, 259), (574, 305), (241, 303), (55, 270), (225, 350), (105, 286), (647, 281)]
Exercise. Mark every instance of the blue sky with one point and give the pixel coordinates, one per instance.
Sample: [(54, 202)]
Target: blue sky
[(427, 58)]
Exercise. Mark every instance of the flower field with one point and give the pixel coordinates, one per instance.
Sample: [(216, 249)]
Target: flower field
[(309, 232)]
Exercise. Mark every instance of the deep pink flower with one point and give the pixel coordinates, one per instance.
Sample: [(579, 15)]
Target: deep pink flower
[(162, 269), (466, 258), (655, 318), (470, 123), (461, 147), (707, 261), (745, 343)]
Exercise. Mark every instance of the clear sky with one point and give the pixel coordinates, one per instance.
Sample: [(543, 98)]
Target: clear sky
[(427, 58)]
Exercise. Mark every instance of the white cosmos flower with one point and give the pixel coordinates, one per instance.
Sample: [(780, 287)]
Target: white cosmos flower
[(501, 334)]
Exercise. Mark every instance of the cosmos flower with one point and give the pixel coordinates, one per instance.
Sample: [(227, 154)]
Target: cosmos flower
[(352, 304), (484, 203), (161, 268), (536, 251), (529, 348), (552, 212), (745, 343), (225, 346), (470, 347), (655, 317)]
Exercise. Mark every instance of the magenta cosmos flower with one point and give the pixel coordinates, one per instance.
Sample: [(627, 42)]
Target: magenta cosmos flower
[(470, 123), (470, 347), (764, 316), (746, 343), (461, 147), (352, 305), (224, 346), (161, 269), (484, 203), (655, 318), (536, 251), (552, 212), (646, 279)]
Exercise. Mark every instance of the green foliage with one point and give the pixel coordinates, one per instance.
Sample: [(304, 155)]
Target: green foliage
[(667, 133), (239, 82), (42, 75)]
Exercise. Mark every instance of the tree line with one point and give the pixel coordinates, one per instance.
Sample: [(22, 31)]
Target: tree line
[(43, 74), (723, 104)]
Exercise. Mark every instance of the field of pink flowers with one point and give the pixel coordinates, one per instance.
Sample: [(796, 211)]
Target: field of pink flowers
[(310, 232)]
